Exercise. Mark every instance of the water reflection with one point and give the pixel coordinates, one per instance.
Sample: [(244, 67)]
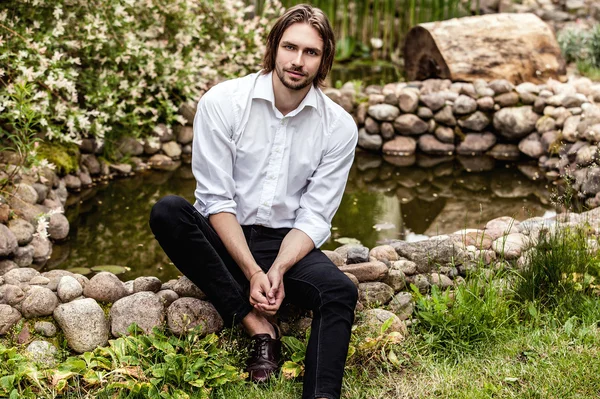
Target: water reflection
[(109, 223)]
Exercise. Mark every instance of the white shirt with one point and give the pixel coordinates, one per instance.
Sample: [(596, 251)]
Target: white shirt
[(269, 169)]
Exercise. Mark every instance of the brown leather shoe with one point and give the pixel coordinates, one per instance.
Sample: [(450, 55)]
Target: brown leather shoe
[(264, 359)]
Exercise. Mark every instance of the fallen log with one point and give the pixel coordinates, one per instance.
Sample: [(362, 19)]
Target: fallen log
[(516, 47)]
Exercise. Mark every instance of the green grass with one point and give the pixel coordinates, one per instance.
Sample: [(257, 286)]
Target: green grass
[(529, 335)]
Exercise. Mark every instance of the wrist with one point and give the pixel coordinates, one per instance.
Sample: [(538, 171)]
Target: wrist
[(254, 273)]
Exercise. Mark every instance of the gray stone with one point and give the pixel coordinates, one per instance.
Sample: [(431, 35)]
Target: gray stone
[(387, 130), (187, 313), (85, 179), (373, 293), (475, 122), (121, 168), (383, 112), (501, 86), (410, 124), (23, 256), (445, 116), (11, 294), (440, 280), (501, 226), (433, 101), (167, 296), (151, 146), (83, 323), (444, 134), (26, 193), (429, 253), (485, 103), (372, 126), (403, 305), (395, 279), (464, 105), (146, 284), (171, 149), (58, 227), (7, 265), (163, 132), (384, 253), (358, 254), (9, 316), (21, 275), (511, 246), (532, 146), (424, 113), (507, 99), (400, 145), (408, 100), (476, 143), (91, 163), (42, 352), (185, 134), (46, 328), (422, 283), (374, 319), (72, 182), (545, 124), (184, 287), (105, 287), (128, 287), (130, 146), (528, 98), (39, 280), (515, 122), (368, 141), (161, 162), (8, 241), (40, 301), (145, 309), (586, 155), (430, 145), (68, 289), (405, 266), (368, 271)]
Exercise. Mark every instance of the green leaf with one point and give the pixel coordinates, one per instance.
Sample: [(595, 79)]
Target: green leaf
[(115, 269), (7, 382), (14, 394), (394, 359), (386, 325), (291, 370), (347, 240), (293, 344)]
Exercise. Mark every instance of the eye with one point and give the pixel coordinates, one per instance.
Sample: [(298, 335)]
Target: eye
[(311, 52), (288, 46)]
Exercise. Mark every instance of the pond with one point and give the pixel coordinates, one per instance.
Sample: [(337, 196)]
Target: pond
[(109, 223)]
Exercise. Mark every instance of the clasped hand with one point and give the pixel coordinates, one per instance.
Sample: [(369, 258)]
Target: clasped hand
[(266, 291)]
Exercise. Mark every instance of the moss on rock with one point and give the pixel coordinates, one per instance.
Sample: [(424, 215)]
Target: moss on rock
[(64, 156)]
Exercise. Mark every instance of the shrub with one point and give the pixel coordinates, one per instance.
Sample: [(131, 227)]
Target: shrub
[(561, 271), (476, 312), (119, 67)]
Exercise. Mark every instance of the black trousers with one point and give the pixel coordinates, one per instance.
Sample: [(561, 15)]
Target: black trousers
[(313, 283)]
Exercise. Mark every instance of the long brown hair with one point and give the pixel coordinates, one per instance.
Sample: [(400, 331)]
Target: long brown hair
[(314, 17)]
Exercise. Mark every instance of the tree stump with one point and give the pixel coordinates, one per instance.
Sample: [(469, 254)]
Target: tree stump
[(516, 47)]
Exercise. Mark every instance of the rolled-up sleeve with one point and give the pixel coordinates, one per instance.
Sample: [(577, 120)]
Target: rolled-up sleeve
[(325, 188), (213, 153)]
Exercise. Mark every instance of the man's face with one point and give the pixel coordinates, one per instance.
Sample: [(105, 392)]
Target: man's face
[(299, 56)]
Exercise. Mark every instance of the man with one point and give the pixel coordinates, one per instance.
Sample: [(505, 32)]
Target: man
[(271, 156)]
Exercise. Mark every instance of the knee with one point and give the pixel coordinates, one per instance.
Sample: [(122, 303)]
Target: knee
[(346, 291), (165, 212)]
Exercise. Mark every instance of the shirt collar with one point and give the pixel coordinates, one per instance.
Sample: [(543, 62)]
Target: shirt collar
[(264, 90)]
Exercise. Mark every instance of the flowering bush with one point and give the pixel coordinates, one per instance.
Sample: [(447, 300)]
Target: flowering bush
[(112, 68)]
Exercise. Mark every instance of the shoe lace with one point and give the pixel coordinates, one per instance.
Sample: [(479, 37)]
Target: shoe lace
[(261, 345)]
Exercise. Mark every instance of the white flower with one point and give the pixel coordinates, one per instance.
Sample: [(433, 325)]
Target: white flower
[(58, 12)]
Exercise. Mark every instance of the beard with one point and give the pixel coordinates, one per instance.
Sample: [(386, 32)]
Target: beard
[(292, 85)]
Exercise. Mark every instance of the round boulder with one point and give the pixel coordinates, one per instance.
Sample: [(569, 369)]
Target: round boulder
[(374, 319), (383, 112), (83, 323), (410, 124), (8, 241), (41, 301), (145, 309), (146, 284), (58, 227), (68, 289), (187, 313), (515, 123), (9, 316), (42, 352), (403, 305), (375, 292), (22, 229), (105, 287)]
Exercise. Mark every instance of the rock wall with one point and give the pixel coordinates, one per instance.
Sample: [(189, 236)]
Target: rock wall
[(557, 124)]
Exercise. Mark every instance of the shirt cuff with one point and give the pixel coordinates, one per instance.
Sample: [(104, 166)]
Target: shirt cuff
[(313, 226), (212, 208)]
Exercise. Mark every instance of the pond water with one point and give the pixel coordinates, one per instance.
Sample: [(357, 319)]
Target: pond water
[(109, 223)]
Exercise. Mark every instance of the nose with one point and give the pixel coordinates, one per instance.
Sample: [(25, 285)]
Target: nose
[(298, 60)]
